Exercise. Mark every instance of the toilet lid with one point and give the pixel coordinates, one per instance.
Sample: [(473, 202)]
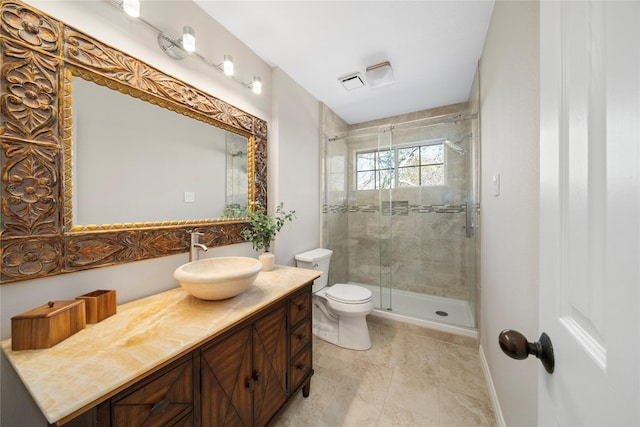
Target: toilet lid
[(349, 294)]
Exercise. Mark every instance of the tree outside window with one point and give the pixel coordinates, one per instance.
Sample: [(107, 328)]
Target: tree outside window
[(413, 166)]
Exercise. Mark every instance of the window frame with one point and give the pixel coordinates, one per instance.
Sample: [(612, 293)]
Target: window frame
[(396, 168)]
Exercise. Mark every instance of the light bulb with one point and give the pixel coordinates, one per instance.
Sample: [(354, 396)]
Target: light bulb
[(131, 7), (188, 39), (227, 65), (257, 85)]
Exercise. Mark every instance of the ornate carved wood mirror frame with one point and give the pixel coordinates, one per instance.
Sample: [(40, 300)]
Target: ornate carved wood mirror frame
[(39, 56)]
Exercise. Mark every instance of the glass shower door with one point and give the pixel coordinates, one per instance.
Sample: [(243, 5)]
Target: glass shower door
[(428, 258), (386, 180), (395, 216)]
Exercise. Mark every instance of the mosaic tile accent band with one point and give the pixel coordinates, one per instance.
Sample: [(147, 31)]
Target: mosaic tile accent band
[(399, 208)]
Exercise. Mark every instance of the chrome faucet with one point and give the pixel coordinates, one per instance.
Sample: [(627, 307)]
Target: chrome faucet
[(195, 246)]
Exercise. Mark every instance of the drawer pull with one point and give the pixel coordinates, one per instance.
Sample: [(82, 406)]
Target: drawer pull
[(302, 307), (300, 366), (257, 376), (160, 406), (301, 337), (251, 383)]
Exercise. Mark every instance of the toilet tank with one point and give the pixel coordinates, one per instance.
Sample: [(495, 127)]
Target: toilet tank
[(316, 259)]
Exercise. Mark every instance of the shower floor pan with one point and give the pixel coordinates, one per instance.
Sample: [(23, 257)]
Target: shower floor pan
[(423, 307)]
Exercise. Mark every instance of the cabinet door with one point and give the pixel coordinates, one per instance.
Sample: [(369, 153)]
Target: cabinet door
[(270, 364), (227, 379)]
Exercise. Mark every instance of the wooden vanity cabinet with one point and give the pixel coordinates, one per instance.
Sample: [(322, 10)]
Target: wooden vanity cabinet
[(244, 375), (240, 378)]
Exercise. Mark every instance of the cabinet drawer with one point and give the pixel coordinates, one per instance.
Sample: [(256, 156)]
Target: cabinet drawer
[(300, 306), (300, 368), (300, 337), (165, 400)]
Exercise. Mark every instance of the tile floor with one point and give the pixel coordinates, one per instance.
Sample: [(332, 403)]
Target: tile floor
[(412, 376)]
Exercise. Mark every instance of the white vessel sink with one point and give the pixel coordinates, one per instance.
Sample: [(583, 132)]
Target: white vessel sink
[(218, 278)]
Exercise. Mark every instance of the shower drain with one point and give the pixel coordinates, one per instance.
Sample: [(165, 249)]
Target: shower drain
[(442, 313)]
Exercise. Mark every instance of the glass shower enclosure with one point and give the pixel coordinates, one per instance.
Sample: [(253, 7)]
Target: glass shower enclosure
[(399, 212)]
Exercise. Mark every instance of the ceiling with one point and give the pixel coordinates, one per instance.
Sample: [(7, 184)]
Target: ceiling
[(433, 47)]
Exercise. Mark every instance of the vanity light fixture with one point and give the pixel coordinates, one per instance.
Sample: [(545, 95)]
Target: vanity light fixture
[(227, 65), (256, 86), (131, 7), (171, 47), (188, 39), (179, 47)]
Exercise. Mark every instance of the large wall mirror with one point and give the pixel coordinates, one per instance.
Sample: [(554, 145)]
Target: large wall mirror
[(107, 160), (152, 165)]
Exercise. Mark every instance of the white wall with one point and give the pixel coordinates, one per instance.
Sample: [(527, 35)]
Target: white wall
[(297, 141), (295, 166), (510, 122)]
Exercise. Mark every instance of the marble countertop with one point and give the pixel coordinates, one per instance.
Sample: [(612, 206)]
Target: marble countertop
[(87, 367)]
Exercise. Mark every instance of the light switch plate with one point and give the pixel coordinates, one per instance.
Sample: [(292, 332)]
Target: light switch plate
[(189, 197), (496, 185)]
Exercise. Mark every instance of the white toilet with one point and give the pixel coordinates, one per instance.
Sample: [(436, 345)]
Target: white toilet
[(339, 311)]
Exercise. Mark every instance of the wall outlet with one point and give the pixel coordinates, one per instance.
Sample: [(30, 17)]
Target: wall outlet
[(189, 197)]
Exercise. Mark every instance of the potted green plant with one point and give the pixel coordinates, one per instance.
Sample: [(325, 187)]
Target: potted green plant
[(263, 228)]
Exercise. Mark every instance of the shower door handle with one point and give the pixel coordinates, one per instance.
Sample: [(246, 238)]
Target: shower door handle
[(468, 220)]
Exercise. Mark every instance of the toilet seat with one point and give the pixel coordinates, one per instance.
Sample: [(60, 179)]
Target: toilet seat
[(349, 294)]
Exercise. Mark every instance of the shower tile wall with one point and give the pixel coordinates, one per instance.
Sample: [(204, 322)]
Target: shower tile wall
[(412, 236)]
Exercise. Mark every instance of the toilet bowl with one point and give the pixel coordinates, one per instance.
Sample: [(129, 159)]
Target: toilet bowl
[(339, 311)]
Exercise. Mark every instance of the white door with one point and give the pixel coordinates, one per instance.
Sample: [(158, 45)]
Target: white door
[(590, 212)]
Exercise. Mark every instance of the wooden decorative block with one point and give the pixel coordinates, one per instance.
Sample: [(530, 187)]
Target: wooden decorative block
[(47, 325), (99, 305)]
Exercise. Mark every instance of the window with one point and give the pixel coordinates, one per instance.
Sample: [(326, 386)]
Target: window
[(408, 166)]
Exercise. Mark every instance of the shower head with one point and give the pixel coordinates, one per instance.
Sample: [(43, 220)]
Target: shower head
[(455, 145)]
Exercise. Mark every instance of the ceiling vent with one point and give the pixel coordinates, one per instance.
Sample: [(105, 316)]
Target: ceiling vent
[(352, 81), (380, 74)]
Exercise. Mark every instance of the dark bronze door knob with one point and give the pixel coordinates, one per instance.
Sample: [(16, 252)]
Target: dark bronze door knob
[(516, 346)]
